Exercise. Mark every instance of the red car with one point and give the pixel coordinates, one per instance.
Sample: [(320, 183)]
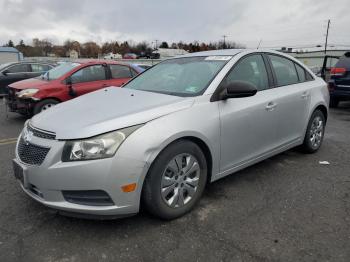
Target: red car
[(65, 82)]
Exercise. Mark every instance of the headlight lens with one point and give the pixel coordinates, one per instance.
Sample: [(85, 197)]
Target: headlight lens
[(102, 146), (27, 93)]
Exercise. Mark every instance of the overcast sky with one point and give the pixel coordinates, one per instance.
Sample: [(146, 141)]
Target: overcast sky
[(276, 22)]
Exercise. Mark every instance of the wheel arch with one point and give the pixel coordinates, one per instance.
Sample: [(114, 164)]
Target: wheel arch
[(323, 109), (194, 139), (51, 97)]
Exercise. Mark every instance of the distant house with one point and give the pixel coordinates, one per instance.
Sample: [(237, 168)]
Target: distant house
[(73, 54), (169, 52), (9, 54)]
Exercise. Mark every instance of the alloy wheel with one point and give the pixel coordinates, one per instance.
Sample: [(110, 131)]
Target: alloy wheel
[(316, 132), (180, 179)]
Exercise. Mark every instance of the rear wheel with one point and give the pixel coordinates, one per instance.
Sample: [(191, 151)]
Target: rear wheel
[(176, 180), (44, 105), (333, 103), (314, 133)]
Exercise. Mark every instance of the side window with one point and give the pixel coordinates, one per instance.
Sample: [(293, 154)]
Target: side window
[(301, 73), (133, 73), (38, 68), (20, 68), (119, 71), (309, 77), (250, 69), (284, 70), (89, 74)]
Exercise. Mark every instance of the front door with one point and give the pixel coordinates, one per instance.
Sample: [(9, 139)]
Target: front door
[(13, 74), (248, 125)]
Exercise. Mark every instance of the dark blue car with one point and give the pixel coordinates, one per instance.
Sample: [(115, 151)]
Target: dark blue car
[(339, 83)]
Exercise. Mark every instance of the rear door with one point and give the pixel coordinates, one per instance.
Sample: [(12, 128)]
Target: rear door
[(292, 98), (89, 79), (119, 74)]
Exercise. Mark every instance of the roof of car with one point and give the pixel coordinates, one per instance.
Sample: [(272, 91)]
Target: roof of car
[(96, 61), (29, 62), (226, 52)]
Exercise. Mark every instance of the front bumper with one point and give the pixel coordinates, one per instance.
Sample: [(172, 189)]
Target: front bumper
[(19, 105), (53, 176)]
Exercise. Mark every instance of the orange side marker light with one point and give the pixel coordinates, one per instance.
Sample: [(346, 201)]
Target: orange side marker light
[(129, 188)]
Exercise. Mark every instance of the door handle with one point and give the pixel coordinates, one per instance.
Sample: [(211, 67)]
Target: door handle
[(305, 95), (270, 106)]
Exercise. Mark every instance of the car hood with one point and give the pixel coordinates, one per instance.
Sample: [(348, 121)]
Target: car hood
[(30, 83), (106, 110)]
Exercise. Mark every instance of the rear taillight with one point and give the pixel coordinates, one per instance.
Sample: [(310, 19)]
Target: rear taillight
[(338, 71)]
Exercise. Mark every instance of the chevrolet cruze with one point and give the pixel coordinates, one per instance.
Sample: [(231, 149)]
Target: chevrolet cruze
[(161, 138)]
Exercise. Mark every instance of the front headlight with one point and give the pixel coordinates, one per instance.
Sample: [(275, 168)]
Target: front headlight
[(102, 146), (27, 93)]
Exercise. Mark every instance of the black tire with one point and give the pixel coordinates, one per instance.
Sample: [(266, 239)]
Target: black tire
[(333, 103), (308, 146), (152, 198), (40, 106)]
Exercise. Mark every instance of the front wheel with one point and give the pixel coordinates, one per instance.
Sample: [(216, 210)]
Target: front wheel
[(175, 181), (44, 105), (315, 132)]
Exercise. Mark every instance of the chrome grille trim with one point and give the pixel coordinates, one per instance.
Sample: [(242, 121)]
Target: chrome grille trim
[(31, 154), (40, 133)]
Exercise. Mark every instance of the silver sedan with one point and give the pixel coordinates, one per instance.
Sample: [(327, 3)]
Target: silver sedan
[(161, 138)]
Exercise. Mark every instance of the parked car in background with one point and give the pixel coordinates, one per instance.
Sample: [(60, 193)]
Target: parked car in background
[(111, 55), (142, 66), (130, 56), (64, 82), (13, 72), (339, 83), (329, 61), (158, 140)]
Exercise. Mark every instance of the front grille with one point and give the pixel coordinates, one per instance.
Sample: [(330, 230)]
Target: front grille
[(88, 197), (41, 134), (31, 154)]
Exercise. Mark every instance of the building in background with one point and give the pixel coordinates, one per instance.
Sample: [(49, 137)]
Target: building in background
[(73, 54), (9, 54)]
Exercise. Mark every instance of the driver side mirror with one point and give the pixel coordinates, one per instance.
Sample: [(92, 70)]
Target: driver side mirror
[(68, 81), (5, 72), (237, 89)]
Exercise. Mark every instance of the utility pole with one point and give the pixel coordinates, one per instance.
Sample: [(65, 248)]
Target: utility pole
[(156, 43), (325, 46), (224, 45)]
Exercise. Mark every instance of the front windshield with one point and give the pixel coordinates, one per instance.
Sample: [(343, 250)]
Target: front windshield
[(60, 70), (188, 76)]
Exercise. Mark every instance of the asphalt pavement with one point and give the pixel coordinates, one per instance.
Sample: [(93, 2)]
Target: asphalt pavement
[(287, 208)]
